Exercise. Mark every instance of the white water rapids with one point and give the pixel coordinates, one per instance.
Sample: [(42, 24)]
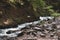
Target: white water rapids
[(14, 34), (3, 31)]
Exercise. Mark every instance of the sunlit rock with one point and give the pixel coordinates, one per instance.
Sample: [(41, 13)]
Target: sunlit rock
[(8, 21)]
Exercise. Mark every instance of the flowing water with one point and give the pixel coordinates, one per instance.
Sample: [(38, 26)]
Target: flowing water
[(3, 32)]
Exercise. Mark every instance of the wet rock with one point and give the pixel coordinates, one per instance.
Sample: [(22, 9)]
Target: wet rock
[(37, 28), (21, 34), (42, 35)]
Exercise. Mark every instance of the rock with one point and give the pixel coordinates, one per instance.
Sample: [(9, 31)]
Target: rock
[(42, 35), (37, 28)]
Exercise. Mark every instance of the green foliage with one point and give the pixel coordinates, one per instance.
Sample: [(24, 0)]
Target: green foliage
[(12, 0), (42, 9), (38, 6), (55, 14), (38, 3)]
